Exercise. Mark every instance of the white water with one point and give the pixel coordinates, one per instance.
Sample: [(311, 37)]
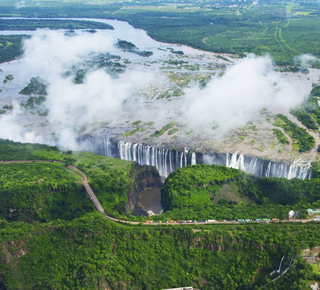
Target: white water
[(166, 161)]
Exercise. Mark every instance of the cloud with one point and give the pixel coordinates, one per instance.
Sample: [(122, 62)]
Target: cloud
[(50, 53), (100, 98), (227, 102), (10, 128), (306, 60), (245, 88)]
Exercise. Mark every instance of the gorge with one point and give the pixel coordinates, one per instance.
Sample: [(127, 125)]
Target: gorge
[(167, 160), (196, 93)]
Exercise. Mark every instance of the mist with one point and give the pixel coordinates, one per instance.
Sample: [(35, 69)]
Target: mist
[(71, 107), (247, 87), (227, 101), (10, 128), (306, 60)]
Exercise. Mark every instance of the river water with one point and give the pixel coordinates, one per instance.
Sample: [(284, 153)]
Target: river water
[(23, 69), (122, 30), (160, 112), (150, 201)]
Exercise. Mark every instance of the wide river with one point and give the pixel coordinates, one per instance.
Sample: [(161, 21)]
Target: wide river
[(158, 111), (122, 30)]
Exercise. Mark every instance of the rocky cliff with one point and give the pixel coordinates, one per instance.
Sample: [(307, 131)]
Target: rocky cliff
[(145, 177)]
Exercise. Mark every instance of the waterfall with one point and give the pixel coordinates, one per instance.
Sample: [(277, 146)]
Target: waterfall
[(259, 166), (168, 160), (107, 146), (164, 159), (193, 159)]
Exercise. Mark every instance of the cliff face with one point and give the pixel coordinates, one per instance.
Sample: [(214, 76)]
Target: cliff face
[(144, 177), (167, 160)]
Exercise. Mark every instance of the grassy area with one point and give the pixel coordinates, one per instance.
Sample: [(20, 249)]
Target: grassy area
[(282, 138), (302, 140), (99, 162), (163, 129), (315, 268), (33, 24), (281, 29)]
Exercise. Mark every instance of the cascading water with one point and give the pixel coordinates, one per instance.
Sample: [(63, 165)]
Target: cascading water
[(193, 159), (163, 159), (259, 166), (166, 160)]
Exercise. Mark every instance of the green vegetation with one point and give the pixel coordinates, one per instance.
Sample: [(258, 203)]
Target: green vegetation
[(10, 47), (36, 86), (305, 119), (33, 24), (65, 245), (163, 129), (128, 46), (214, 192), (36, 106), (180, 79), (281, 136), (90, 252), (109, 62), (8, 107), (110, 179), (302, 140), (280, 29), (172, 131), (9, 77), (136, 123), (40, 192), (264, 28), (139, 126), (125, 45), (309, 112), (168, 94)]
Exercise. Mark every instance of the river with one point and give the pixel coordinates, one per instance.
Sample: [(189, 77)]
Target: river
[(150, 201), (81, 106)]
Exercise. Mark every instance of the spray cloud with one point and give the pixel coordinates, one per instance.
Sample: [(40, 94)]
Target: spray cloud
[(227, 102)]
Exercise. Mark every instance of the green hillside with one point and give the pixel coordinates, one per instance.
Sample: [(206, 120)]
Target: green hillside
[(93, 253), (32, 191), (42, 184), (216, 192), (51, 239)]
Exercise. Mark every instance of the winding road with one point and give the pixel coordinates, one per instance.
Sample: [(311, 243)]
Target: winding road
[(99, 207)]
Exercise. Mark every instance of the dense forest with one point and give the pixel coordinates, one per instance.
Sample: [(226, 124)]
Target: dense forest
[(93, 253), (10, 47), (50, 238), (42, 192), (111, 180), (216, 192), (33, 24), (267, 27)]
